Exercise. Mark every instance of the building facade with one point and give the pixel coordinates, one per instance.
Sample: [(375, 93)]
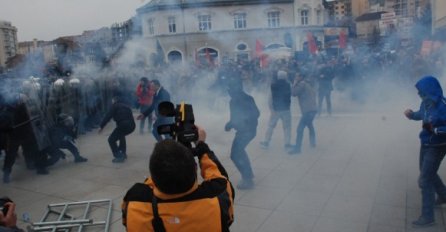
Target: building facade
[(402, 8), (439, 16), (189, 29), (8, 42), (359, 7)]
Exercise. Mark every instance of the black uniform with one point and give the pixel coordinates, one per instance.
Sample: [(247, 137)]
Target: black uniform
[(125, 124)]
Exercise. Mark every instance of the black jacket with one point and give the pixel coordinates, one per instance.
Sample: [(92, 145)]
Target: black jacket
[(120, 112), (244, 112), (281, 95)]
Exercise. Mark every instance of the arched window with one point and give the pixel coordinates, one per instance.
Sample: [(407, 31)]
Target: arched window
[(207, 56), (174, 56)]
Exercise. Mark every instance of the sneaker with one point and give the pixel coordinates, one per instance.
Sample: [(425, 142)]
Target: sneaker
[(118, 160), (264, 144), (80, 159), (288, 146), (294, 151), (6, 177), (423, 222), (245, 184), (123, 154)]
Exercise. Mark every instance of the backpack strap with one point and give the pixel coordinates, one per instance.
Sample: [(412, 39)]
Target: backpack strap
[(157, 222)]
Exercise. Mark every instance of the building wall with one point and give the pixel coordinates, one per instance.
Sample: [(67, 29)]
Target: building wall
[(221, 20), (408, 7), (365, 29), (223, 37), (359, 7), (439, 14), (8, 42)]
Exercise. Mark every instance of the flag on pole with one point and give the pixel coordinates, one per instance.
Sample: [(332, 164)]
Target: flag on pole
[(342, 39), (259, 48), (263, 58), (311, 43), (159, 52)]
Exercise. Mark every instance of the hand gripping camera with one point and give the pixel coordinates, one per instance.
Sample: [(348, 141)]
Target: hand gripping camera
[(183, 129), (3, 206)]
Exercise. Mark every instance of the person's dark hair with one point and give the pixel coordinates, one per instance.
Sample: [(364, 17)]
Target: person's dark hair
[(145, 80), (172, 167), (156, 82)]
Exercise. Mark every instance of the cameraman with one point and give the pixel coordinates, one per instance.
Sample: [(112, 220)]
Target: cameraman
[(8, 222), (172, 200)]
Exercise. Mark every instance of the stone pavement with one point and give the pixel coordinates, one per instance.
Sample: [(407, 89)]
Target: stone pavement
[(362, 176)]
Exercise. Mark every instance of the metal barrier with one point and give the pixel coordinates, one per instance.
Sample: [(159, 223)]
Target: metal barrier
[(63, 216)]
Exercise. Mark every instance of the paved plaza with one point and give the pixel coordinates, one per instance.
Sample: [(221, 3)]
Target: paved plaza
[(362, 176)]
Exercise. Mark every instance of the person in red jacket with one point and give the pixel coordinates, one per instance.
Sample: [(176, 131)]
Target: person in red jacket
[(145, 93)]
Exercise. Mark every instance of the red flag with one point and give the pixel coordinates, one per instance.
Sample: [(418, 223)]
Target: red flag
[(311, 43), (342, 39), (259, 48), (263, 58)]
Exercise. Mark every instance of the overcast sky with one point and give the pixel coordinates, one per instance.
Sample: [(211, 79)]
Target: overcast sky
[(50, 19)]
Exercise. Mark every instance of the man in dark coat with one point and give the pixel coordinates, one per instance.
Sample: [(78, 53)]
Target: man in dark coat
[(121, 113), (280, 109), (244, 116), (306, 95), (161, 95), (326, 76)]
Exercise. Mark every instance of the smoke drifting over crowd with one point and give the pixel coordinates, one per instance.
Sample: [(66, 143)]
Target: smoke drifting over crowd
[(372, 82)]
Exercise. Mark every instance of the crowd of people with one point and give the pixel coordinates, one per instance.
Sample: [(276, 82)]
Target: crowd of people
[(45, 115)]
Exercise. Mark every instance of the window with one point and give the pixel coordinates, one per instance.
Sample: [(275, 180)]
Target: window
[(304, 17), (273, 19), (151, 27), (319, 17), (172, 25), (239, 20), (204, 23)]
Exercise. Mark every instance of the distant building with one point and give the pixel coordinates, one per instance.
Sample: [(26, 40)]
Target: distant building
[(45, 48), (359, 7), (8, 42), (439, 18), (122, 31), (402, 8), (367, 25), (189, 30)]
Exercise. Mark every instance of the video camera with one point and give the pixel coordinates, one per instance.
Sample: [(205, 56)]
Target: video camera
[(183, 129), (3, 206)]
